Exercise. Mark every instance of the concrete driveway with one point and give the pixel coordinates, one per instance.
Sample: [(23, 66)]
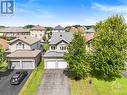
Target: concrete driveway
[(6, 88), (54, 82)]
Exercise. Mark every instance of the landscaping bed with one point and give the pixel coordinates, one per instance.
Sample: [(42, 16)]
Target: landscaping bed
[(99, 87), (33, 81)]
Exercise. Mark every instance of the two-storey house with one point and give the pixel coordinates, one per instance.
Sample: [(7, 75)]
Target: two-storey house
[(53, 58), (24, 53)]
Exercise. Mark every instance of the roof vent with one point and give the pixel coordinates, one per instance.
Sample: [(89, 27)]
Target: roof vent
[(25, 37), (60, 35)]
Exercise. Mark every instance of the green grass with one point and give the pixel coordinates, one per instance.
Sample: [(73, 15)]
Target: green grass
[(46, 46), (33, 81), (99, 87), (4, 64)]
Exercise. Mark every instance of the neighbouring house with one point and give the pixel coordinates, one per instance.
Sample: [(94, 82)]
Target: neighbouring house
[(25, 53), (89, 35), (78, 29), (53, 58), (13, 31), (38, 32), (58, 29), (3, 44)]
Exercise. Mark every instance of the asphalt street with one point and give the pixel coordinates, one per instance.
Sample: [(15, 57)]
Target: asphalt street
[(6, 88)]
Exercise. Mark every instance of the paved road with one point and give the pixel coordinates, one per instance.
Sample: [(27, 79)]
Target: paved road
[(7, 89), (54, 82)]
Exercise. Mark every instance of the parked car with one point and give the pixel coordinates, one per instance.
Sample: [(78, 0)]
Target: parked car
[(18, 77)]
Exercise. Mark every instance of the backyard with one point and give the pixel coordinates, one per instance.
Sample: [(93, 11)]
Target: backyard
[(99, 87)]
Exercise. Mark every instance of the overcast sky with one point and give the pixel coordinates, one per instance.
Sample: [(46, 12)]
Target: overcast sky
[(63, 12)]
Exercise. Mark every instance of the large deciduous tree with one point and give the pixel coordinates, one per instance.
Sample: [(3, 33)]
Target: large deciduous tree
[(77, 57), (110, 48), (2, 56)]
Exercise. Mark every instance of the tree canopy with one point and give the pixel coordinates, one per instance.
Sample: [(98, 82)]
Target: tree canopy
[(77, 57), (109, 48)]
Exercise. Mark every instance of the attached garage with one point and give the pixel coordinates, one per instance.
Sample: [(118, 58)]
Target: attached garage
[(15, 64), (28, 65), (24, 59), (55, 64), (22, 64)]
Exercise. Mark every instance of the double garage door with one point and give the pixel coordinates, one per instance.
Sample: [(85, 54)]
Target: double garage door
[(55, 64), (22, 65)]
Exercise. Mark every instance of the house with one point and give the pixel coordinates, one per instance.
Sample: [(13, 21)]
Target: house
[(58, 29), (24, 53), (53, 58), (3, 44), (37, 32), (89, 35), (13, 31)]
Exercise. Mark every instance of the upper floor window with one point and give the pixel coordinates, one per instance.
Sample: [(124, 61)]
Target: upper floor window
[(20, 45), (53, 47), (63, 48)]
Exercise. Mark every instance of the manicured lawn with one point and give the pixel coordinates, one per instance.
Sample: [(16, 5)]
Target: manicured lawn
[(4, 64), (99, 87), (46, 46), (33, 82)]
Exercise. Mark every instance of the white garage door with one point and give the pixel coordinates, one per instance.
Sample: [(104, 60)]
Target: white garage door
[(62, 64), (50, 65), (27, 65), (15, 65), (56, 64)]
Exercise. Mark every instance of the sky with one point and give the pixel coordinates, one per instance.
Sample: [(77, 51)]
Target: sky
[(63, 12)]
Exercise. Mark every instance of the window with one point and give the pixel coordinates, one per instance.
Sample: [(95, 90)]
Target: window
[(63, 48), (53, 47), (19, 45)]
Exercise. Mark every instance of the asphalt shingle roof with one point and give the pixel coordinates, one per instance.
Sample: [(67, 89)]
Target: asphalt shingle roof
[(52, 54), (24, 53), (59, 36), (58, 28), (25, 38), (13, 29), (91, 30)]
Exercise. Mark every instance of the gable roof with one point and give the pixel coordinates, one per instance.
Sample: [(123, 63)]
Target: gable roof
[(4, 44), (13, 29), (27, 39), (58, 28), (38, 27), (59, 36)]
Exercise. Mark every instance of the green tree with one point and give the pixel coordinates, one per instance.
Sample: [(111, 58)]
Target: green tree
[(2, 56), (77, 57), (109, 48), (28, 26)]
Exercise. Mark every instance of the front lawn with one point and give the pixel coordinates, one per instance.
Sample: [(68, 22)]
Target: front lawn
[(99, 87), (4, 64), (33, 81)]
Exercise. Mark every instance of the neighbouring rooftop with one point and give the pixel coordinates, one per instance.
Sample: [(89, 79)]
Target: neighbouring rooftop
[(38, 27), (25, 38), (13, 29), (58, 28), (24, 54), (59, 36)]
